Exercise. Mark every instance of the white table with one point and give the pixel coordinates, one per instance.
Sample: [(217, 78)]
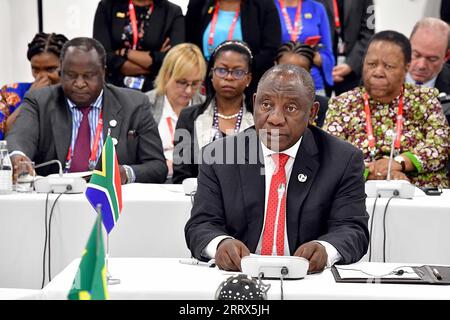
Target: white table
[(417, 230), (167, 279), (19, 294), (152, 225)]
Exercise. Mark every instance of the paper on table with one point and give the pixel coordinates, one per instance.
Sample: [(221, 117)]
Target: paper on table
[(363, 273)]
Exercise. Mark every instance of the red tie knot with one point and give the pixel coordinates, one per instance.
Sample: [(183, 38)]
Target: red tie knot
[(84, 110), (280, 160)]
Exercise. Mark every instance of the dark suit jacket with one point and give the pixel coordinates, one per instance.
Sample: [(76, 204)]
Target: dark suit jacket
[(323, 101), (166, 21), (357, 33), (329, 206), (261, 29), (43, 130), (443, 80)]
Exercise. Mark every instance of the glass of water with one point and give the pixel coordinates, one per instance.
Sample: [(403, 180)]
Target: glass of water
[(25, 176)]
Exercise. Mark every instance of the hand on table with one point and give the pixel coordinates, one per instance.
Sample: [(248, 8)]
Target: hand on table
[(229, 254)]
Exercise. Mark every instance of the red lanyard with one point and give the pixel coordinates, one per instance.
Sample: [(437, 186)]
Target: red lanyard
[(93, 157), (337, 20), (170, 126), (133, 21), (369, 128), (293, 32), (213, 27)]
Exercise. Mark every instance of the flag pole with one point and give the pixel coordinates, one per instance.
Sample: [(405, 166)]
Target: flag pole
[(109, 278)]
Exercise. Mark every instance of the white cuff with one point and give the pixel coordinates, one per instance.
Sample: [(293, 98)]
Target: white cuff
[(211, 249), (332, 253), (131, 177), (17, 152)]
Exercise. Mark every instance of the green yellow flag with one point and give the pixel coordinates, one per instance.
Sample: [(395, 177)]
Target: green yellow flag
[(90, 280)]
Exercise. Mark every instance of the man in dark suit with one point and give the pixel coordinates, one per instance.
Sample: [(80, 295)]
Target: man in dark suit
[(70, 121), (320, 217), (430, 44), (350, 37)]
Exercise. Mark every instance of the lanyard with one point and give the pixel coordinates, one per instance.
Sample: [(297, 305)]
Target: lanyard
[(133, 21), (93, 157), (170, 126), (369, 128), (293, 32), (337, 20), (213, 27)]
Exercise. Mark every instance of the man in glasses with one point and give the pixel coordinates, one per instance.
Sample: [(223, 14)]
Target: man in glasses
[(288, 189)]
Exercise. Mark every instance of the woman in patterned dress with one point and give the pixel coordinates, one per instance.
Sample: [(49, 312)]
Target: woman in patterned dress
[(385, 112)]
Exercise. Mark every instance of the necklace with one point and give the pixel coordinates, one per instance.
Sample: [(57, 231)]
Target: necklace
[(216, 131), (222, 116)]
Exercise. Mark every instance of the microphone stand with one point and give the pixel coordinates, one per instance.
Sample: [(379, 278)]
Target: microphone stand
[(281, 188), (391, 156)]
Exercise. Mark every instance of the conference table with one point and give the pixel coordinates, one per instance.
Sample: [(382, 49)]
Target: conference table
[(168, 279), (152, 226)]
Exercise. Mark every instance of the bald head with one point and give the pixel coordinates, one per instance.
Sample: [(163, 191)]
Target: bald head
[(284, 106), (438, 29), (290, 72), (429, 43)]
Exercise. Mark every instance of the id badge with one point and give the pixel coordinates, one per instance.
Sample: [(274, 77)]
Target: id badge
[(134, 82)]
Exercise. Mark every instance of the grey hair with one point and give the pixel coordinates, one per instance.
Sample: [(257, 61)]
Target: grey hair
[(302, 76), (437, 25)]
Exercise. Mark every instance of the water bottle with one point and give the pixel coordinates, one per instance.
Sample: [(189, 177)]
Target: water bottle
[(5, 169)]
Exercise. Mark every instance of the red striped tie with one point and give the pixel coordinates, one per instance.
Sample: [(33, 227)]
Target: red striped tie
[(277, 184)]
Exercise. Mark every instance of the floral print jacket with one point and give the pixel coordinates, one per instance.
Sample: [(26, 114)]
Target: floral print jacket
[(425, 137)]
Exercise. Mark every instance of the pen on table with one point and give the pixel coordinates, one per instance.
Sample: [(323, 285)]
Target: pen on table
[(436, 273), (196, 262)]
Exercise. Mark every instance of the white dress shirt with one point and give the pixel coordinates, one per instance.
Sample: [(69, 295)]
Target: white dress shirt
[(167, 133), (429, 83), (333, 255)]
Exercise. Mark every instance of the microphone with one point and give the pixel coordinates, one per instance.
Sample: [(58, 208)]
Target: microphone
[(43, 164), (280, 190), (390, 188), (59, 183)]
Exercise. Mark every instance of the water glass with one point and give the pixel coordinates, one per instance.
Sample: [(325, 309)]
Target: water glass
[(25, 176)]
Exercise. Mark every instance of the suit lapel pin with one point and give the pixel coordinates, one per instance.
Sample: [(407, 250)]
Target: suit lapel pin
[(114, 140), (113, 123), (302, 177)]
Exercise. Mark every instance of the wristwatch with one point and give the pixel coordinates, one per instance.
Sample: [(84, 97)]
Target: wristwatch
[(402, 162)]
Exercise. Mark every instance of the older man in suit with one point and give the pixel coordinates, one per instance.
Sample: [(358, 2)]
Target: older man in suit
[(430, 40), (310, 202), (70, 121)]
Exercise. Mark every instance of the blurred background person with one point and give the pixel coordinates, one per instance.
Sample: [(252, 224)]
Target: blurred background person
[(225, 111), (43, 53), (210, 22), (430, 44), (176, 86), (430, 41), (306, 21), (302, 55), (369, 116), (352, 24), (136, 35)]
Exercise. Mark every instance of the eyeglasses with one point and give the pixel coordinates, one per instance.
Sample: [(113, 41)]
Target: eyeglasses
[(237, 74), (183, 84)]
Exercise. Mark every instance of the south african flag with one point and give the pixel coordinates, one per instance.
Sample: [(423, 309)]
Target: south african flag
[(105, 189)]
